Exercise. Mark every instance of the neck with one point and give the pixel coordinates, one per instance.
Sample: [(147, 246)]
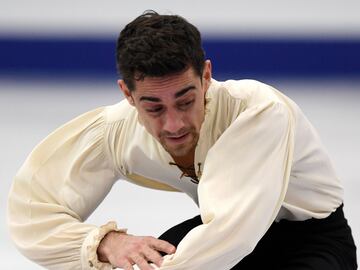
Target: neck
[(185, 161)]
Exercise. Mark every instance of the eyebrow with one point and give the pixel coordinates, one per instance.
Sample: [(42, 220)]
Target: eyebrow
[(177, 94)]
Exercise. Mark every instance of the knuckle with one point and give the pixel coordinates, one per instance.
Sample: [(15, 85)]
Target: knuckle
[(153, 256), (125, 264), (136, 246), (158, 261), (146, 252), (133, 255), (117, 259), (141, 241)]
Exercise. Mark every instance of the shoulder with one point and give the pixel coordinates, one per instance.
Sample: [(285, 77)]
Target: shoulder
[(232, 99), (250, 92), (120, 111)]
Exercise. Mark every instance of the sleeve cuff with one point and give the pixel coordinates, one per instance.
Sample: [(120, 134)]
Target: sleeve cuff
[(89, 259)]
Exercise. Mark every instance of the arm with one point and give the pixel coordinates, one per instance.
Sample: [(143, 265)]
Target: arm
[(123, 250), (61, 183), (241, 190)]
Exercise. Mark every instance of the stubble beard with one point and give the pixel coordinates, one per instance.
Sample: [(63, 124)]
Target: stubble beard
[(181, 149)]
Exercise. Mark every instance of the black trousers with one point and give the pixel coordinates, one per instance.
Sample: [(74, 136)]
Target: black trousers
[(318, 244)]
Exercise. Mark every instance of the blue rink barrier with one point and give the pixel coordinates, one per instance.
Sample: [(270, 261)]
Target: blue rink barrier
[(237, 57)]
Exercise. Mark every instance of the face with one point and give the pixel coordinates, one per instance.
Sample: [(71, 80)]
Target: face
[(172, 108)]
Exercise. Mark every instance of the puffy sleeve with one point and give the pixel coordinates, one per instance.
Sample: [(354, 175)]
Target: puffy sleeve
[(243, 185), (60, 184)]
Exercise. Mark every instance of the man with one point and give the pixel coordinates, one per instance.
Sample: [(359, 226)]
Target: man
[(267, 193)]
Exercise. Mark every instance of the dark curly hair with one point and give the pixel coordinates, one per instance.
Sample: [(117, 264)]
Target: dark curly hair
[(155, 45)]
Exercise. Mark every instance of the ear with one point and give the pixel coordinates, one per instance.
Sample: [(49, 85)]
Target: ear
[(207, 75), (125, 90)]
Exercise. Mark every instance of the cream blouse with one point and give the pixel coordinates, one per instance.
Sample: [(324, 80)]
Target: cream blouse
[(258, 159)]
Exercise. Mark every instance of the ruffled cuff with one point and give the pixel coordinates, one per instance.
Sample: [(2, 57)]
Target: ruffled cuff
[(89, 258)]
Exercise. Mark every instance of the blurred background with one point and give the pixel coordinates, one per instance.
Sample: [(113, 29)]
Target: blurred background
[(57, 60)]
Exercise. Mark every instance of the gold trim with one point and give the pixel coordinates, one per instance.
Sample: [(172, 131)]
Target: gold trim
[(149, 183)]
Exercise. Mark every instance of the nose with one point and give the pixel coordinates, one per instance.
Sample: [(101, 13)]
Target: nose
[(173, 121)]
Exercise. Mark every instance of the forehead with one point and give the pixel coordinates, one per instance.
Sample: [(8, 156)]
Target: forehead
[(166, 85)]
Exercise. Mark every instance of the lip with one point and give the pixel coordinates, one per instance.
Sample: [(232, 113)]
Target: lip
[(179, 139)]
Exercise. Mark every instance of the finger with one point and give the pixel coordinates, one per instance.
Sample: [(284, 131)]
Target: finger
[(152, 256), (141, 262), (162, 245), (126, 265)]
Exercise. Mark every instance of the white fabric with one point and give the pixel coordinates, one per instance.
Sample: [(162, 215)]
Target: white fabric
[(259, 160)]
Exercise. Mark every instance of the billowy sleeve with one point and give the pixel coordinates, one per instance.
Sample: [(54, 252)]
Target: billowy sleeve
[(243, 185), (60, 184)]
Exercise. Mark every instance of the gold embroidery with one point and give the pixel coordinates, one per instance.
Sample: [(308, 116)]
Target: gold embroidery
[(189, 172), (149, 183)]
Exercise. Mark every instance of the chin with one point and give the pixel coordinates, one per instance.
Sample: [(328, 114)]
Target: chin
[(179, 152)]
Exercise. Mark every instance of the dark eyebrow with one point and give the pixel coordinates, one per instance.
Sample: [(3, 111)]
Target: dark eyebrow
[(153, 99), (184, 91), (177, 94)]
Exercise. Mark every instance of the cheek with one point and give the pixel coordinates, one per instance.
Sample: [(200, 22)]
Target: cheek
[(197, 117), (152, 125)]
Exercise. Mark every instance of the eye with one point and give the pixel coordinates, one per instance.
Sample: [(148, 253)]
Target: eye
[(186, 104), (155, 109)]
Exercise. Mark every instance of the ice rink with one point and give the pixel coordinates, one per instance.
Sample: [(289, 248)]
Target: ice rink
[(31, 109)]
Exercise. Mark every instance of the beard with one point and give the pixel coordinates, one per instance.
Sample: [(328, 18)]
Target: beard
[(181, 149)]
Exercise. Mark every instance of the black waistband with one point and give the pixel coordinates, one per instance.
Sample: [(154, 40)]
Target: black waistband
[(335, 221)]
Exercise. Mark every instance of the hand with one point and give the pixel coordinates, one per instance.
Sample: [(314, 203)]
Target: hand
[(124, 250)]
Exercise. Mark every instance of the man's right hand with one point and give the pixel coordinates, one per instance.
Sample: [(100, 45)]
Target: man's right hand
[(124, 250)]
